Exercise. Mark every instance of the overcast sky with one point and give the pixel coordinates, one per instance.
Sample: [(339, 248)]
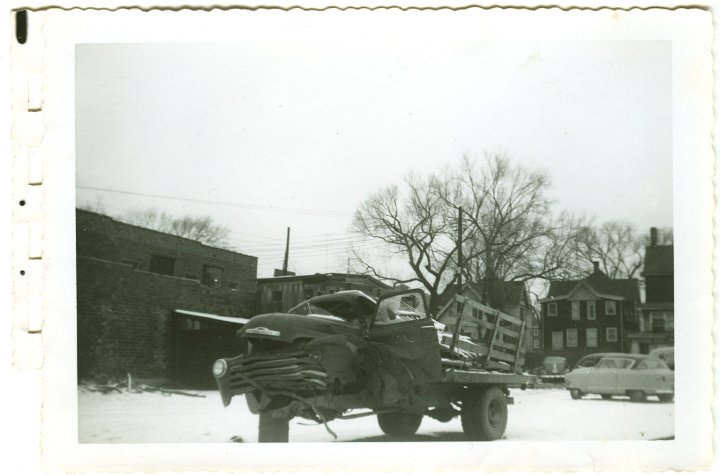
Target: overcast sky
[(297, 133)]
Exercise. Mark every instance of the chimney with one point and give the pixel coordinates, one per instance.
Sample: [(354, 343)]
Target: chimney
[(653, 237), (596, 267)]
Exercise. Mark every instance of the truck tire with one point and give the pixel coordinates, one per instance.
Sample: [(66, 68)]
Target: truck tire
[(636, 395), (399, 424), (484, 414), (272, 428)]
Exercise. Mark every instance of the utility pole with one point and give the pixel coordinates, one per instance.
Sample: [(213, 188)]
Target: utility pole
[(287, 252), (459, 307), (459, 250)]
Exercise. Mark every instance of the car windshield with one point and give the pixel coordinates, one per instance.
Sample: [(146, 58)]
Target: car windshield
[(555, 359)]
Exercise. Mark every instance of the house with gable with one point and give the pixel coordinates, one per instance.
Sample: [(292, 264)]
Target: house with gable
[(590, 315), (657, 314)]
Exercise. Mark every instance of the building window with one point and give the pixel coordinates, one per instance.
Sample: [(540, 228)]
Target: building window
[(611, 335), (575, 310), (591, 310), (162, 265), (536, 344), (572, 336), (552, 309), (610, 307), (591, 335), (212, 276), (536, 332), (557, 340), (233, 285), (657, 322)]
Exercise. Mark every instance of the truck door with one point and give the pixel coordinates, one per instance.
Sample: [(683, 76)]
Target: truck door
[(404, 343)]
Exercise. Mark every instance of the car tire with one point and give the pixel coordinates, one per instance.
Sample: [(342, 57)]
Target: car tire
[(606, 396), (666, 397), (637, 395), (399, 424), (484, 414), (575, 393)]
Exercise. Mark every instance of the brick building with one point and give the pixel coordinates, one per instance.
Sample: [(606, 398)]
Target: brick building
[(280, 293), (657, 314), (155, 305), (591, 315)]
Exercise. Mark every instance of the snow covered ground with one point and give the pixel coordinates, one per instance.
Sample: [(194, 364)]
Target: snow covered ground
[(537, 415)]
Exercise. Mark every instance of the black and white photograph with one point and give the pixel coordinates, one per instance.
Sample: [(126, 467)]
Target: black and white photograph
[(381, 226)]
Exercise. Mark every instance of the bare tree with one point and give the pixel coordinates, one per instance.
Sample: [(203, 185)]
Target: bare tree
[(509, 233), (616, 246), (414, 222), (202, 229), (512, 233)]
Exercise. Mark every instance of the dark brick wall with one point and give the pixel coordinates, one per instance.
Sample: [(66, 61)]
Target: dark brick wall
[(104, 238), (125, 317), (125, 313)]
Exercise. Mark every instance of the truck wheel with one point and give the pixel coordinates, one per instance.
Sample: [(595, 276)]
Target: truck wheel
[(666, 397), (399, 424), (272, 428), (575, 393), (484, 414), (637, 395)]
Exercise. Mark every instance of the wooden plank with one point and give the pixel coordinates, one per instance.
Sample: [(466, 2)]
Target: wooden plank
[(508, 332), (498, 355), (496, 365), (518, 355), (508, 346), (489, 310)]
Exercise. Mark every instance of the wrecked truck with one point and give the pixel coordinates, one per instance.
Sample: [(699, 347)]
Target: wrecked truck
[(346, 355)]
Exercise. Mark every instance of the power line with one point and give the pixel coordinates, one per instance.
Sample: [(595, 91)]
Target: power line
[(277, 209)]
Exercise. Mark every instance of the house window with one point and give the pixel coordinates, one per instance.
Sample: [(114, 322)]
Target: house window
[(233, 285), (162, 265), (552, 309), (591, 335), (212, 276), (536, 332), (557, 340), (572, 336), (657, 322), (536, 344), (610, 307), (575, 310), (591, 310), (611, 334)]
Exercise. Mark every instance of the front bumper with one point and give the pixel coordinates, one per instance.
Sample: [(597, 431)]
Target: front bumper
[(295, 373)]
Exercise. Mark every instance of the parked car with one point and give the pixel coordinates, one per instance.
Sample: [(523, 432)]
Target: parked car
[(553, 369), (666, 353), (591, 360), (636, 376)]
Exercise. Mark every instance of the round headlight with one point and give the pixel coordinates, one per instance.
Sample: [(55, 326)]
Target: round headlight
[(219, 368)]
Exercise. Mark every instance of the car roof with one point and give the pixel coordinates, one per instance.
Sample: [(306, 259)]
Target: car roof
[(603, 355), (343, 295)]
